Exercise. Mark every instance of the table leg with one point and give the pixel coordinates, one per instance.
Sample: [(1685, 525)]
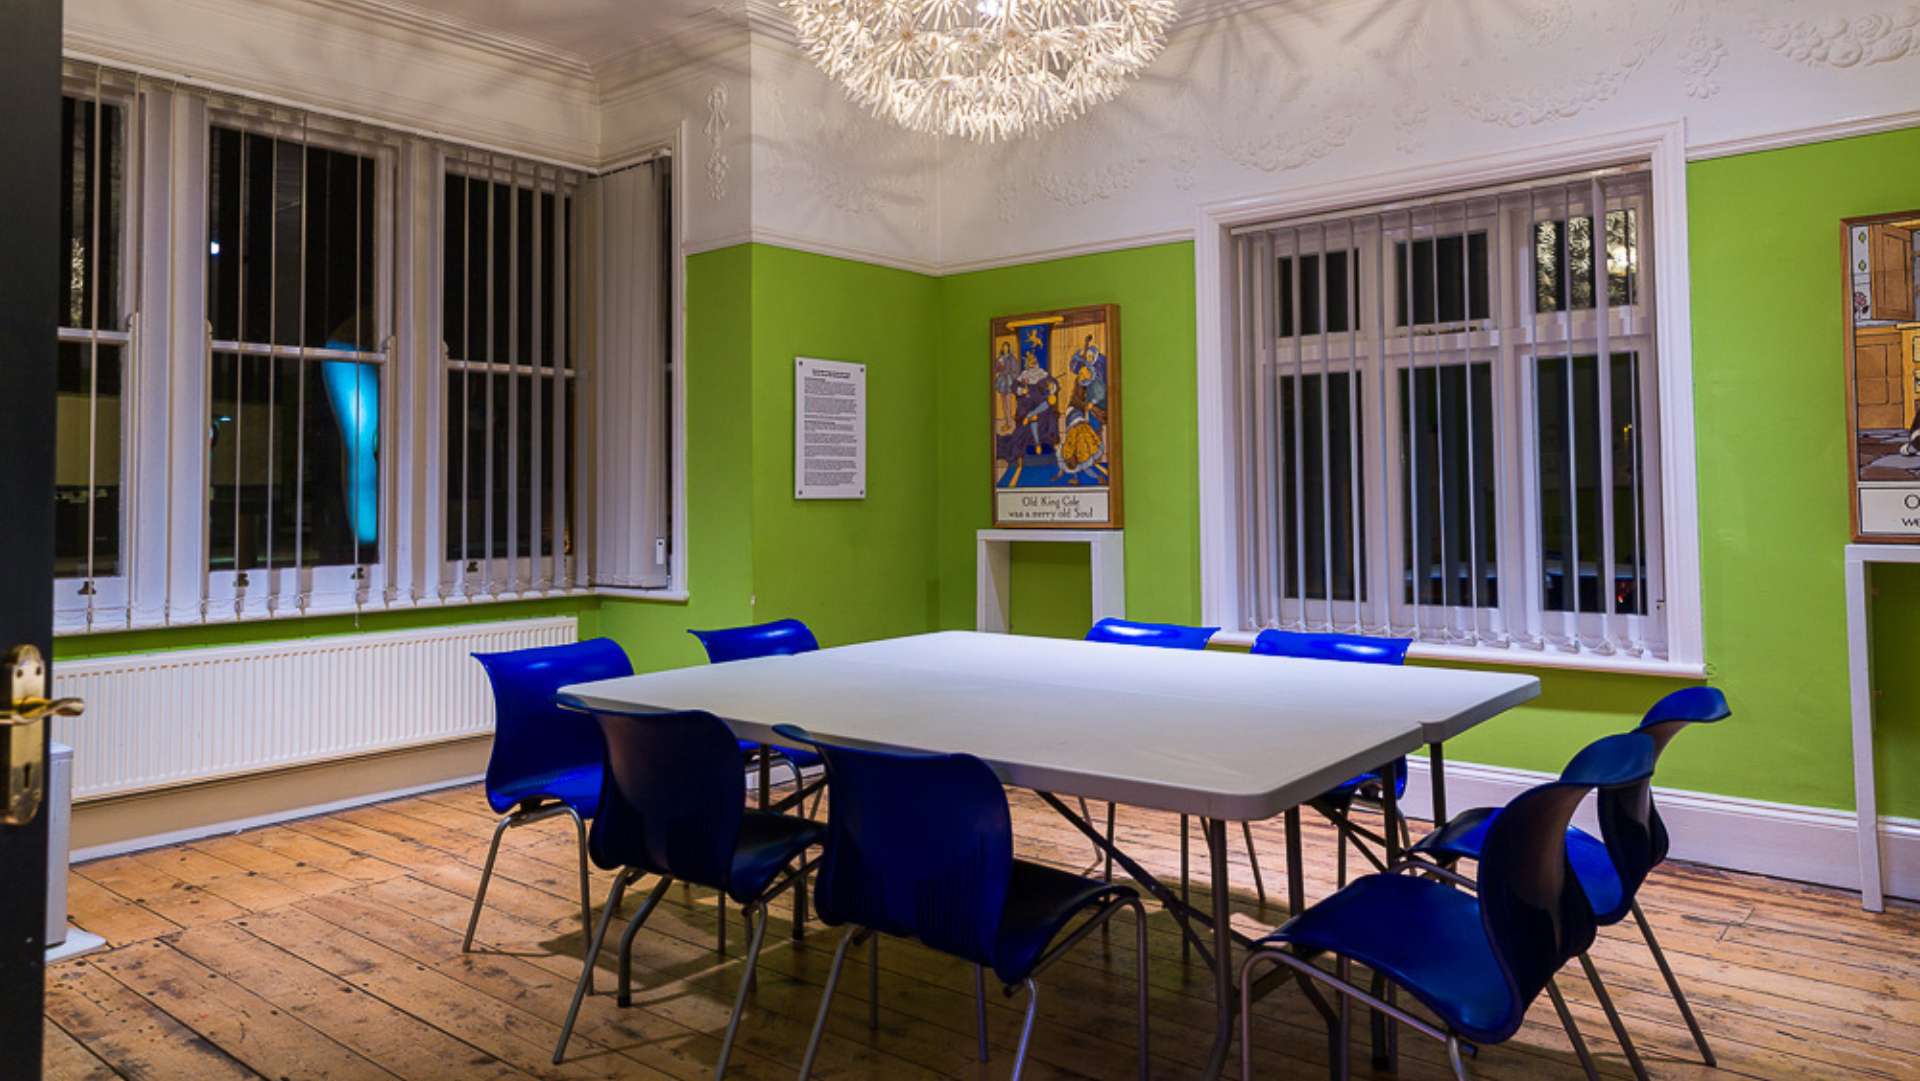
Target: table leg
[(1860, 686), (766, 777), (1437, 779), (1225, 990), (1296, 866)]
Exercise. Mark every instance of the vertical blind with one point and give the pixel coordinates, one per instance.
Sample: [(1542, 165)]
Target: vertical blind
[(635, 529), (1446, 419)]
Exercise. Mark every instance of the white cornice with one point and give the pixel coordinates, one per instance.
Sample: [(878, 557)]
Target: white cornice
[(451, 32)]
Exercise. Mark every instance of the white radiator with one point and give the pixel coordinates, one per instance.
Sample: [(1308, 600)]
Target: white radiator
[(159, 719)]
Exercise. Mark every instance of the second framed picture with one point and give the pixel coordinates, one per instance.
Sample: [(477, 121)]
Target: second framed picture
[(1055, 386)]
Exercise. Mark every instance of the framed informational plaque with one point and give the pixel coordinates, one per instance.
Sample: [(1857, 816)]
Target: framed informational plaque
[(1883, 376), (829, 429), (1054, 380)]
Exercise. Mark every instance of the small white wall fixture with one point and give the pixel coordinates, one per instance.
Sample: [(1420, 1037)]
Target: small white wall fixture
[(993, 571)]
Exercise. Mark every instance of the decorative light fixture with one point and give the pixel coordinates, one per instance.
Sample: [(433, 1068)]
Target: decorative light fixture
[(982, 69)]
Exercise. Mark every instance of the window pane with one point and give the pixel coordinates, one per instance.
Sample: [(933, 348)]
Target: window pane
[(1448, 279), (1447, 495), (1572, 517), (1326, 490), (290, 250), (295, 462), (1340, 266), (92, 204), (87, 461), (1563, 262)]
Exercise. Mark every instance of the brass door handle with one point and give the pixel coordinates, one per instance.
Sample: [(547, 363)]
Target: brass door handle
[(34, 708)]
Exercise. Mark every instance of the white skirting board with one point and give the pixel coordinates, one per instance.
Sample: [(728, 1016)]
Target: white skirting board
[(1805, 844)]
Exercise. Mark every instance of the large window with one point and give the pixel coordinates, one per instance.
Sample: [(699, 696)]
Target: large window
[(296, 280), (512, 419), (1445, 415), (95, 340), (308, 364)]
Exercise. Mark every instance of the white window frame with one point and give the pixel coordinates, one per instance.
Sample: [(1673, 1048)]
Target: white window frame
[(78, 600), (1676, 499), (314, 589)]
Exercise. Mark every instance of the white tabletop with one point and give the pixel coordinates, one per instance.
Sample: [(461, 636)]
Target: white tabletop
[(1206, 733)]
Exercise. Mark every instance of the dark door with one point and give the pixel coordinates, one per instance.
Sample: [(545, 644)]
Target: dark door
[(29, 299)]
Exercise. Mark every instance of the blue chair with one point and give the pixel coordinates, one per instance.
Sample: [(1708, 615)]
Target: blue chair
[(1126, 632), (780, 638), (1476, 958), (1633, 841), (674, 804), (546, 761), (921, 846), (1336, 804)]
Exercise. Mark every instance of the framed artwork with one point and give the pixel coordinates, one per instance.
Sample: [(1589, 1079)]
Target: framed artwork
[(1054, 381), (1883, 376)]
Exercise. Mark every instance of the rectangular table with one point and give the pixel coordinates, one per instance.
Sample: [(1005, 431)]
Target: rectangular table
[(1224, 736)]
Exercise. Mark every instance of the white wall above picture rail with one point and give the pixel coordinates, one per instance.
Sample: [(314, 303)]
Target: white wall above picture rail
[(1251, 97), (829, 429)]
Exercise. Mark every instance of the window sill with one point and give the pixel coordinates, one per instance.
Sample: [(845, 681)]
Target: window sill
[(1524, 659), (72, 624)]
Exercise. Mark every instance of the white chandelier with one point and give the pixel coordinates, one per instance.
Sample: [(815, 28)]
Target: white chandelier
[(982, 69)]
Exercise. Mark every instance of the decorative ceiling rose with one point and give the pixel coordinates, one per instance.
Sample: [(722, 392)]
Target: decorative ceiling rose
[(981, 69)]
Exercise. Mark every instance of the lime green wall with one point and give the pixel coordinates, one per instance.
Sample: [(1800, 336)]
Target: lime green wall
[(1770, 409), (1154, 289), (853, 569)]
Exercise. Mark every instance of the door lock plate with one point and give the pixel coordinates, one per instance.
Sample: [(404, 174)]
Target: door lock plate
[(23, 767)]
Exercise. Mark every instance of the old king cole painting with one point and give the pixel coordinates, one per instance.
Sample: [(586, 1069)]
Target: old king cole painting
[(1883, 362), (1056, 418)]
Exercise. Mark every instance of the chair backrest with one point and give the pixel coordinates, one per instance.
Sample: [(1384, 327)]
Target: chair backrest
[(1361, 649), (1532, 906), (1630, 823), (531, 734), (778, 638), (1165, 635), (918, 846), (674, 795)]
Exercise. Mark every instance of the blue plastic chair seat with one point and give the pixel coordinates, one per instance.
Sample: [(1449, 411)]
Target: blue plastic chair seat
[(1462, 839), (1040, 902), (578, 787), (768, 842), (1426, 937)]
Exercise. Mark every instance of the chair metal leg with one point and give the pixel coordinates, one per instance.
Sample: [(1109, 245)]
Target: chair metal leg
[(720, 934), (1186, 947), (625, 997), (1340, 861), (826, 1002), (486, 876), (1026, 1028), (758, 915), (980, 1007), (1340, 1061), (1456, 1061), (873, 984), (1613, 1018), (1573, 1032), (800, 884), (1673, 986), (1259, 887), (614, 894)]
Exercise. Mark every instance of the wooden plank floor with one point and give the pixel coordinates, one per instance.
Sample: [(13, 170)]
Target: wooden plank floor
[(329, 949)]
